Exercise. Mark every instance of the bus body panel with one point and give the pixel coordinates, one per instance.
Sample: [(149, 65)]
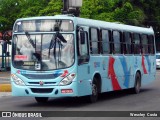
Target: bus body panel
[(48, 84), (21, 91), (123, 74), (151, 70), (84, 80)]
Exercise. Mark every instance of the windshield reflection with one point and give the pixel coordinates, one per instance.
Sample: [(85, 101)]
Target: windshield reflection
[(43, 52)]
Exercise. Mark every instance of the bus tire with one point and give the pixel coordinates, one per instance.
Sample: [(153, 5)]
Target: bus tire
[(94, 96), (137, 84), (41, 99)]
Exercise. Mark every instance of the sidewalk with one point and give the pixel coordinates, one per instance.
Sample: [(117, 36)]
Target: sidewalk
[(5, 85)]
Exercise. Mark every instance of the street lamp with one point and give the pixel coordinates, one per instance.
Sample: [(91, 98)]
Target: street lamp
[(75, 3), (72, 7)]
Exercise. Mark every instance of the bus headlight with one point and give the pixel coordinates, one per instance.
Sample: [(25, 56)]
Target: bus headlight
[(17, 80), (67, 80)]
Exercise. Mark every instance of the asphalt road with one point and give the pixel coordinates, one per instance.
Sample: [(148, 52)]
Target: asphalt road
[(147, 100), (5, 77)]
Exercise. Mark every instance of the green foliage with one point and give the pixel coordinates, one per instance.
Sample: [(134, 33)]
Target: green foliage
[(3, 23), (112, 10), (53, 8), (98, 9), (8, 13), (134, 12), (31, 7)]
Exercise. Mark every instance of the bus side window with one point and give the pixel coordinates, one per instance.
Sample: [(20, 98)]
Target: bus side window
[(94, 41), (117, 42), (144, 39), (83, 47), (105, 42), (151, 44), (136, 40), (127, 43)]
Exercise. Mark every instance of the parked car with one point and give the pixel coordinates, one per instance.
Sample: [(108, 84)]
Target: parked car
[(158, 60)]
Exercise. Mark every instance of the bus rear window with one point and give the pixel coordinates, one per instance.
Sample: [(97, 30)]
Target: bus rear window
[(43, 25)]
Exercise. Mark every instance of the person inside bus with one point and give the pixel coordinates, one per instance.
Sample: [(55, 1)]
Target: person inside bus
[(25, 48)]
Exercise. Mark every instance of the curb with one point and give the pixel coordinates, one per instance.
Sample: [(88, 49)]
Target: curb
[(5, 87)]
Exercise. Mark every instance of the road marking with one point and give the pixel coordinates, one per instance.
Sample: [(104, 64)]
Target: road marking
[(4, 78), (4, 81), (5, 87), (5, 94)]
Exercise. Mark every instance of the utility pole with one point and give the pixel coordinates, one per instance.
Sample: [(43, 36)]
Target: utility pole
[(72, 7), (65, 6)]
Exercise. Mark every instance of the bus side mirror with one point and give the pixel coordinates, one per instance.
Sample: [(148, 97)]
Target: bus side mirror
[(82, 37)]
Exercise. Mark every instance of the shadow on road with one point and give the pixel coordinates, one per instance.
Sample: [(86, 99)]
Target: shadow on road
[(120, 94), (82, 101)]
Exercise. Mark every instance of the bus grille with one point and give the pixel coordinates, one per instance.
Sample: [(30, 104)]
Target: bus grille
[(41, 90), (41, 76), (45, 83)]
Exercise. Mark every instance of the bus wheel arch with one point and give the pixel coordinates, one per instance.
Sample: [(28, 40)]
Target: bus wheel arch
[(97, 76), (96, 88), (137, 84)]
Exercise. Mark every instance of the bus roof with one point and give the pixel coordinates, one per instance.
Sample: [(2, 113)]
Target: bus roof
[(115, 26), (97, 23)]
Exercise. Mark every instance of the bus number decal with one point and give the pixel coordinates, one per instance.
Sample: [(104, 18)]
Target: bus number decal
[(96, 64), (28, 63)]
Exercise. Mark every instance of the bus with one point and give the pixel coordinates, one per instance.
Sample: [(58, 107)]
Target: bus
[(67, 56)]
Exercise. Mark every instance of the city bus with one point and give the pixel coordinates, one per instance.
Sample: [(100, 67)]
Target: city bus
[(67, 56)]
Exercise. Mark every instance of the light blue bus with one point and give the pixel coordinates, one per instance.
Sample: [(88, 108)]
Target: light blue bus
[(66, 56)]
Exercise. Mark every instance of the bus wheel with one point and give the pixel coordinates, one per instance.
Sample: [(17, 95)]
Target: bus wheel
[(41, 99), (137, 85), (94, 96)]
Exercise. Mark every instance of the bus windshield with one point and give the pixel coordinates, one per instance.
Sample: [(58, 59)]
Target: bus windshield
[(43, 51)]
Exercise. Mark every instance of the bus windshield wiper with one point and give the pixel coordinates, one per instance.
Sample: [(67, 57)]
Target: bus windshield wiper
[(37, 55), (56, 39), (30, 40)]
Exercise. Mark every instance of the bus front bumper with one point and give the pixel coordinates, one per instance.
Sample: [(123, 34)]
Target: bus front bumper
[(45, 91)]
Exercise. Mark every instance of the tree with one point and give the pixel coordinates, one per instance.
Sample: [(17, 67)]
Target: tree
[(53, 8), (8, 14), (112, 10), (31, 8), (98, 9), (133, 12), (129, 14)]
